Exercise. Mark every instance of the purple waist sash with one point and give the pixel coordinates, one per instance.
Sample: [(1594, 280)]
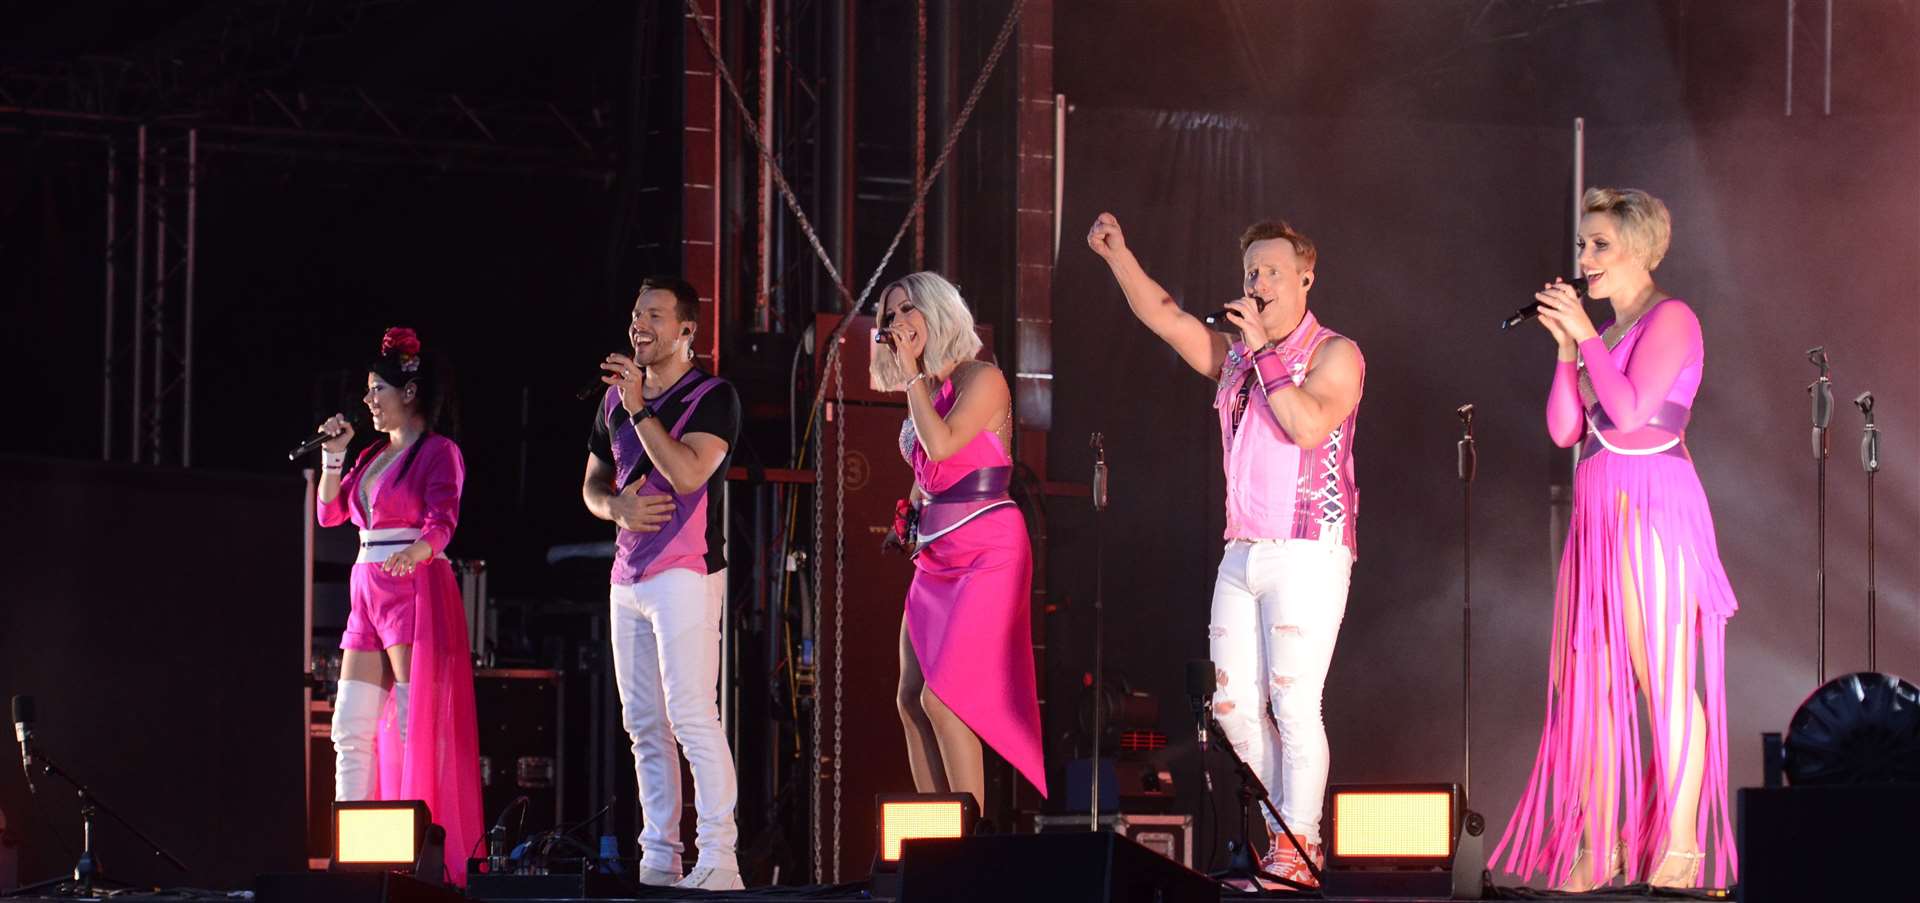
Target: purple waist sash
[(1671, 418), (975, 494)]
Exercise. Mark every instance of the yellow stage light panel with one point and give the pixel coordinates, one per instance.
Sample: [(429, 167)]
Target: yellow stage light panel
[(370, 834), (1399, 824), (907, 820)]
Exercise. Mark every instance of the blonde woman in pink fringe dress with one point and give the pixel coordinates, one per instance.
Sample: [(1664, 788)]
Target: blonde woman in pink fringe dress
[(1630, 781)]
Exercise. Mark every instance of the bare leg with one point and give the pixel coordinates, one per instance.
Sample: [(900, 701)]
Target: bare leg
[(368, 667), (959, 749), (1600, 801), (1685, 729), (923, 745)]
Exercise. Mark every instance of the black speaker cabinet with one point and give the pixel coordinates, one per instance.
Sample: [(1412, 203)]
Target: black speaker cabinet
[(1826, 843), (1046, 868), (350, 887)]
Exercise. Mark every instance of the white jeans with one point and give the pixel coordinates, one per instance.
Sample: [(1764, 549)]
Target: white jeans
[(1276, 613), (666, 659)]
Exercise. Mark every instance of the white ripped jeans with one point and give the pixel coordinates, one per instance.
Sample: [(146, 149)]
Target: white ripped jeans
[(1277, 606), (666, 661)]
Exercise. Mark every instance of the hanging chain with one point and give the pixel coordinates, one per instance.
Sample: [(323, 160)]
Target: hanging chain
[(853, 307), (839, 593), (817, 601), (920, 197)]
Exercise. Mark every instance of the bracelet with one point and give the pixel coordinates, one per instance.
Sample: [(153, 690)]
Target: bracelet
[(332, 460), (916, 378)]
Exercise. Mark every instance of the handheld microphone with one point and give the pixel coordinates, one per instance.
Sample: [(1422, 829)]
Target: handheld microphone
[(1531, 311), (319, 438), (1218, 322), (593, 388), (23, 733), (1200, 685)]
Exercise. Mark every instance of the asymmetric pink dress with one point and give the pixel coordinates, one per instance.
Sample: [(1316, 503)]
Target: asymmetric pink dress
[(968, 608), (440, 759)]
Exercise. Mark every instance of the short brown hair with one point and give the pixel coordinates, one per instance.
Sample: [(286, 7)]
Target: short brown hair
[(1267, 229), (686, 299)]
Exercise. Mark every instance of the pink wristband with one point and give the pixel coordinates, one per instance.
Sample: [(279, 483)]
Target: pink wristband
[(1273, 373)]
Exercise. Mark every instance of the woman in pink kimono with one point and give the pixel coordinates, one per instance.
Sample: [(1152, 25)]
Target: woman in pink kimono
[(1643, 602), (966, 644), (403, 721)]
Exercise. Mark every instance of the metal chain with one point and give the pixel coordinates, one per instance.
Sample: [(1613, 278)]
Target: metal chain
[(752, 127), (920, 197), (853, 307), (818, 602), (839, 593)]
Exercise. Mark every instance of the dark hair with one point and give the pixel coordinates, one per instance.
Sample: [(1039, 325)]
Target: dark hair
[(686, 301), (1266, 230), (403, 362)]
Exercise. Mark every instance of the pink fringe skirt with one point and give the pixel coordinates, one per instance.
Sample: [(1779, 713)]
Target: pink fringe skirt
[(1641, 533)]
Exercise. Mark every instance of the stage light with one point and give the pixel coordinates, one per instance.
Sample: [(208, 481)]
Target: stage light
[(1411, 824), (907, 816), (1403, 840), (914, 816), (387, 835)]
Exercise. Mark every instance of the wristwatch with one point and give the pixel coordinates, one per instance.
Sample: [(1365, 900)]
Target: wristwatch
[(646, 410)]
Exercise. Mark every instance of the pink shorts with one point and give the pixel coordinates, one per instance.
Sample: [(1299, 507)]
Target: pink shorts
[(381, 613)]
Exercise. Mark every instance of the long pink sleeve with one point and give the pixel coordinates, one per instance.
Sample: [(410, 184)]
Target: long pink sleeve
[(336, 512), (1565, 421), (446, 474), (1669, 340)]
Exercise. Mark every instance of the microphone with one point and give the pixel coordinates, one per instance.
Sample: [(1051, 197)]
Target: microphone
[(23, 732), (1870, 438), (1821, 391), (1531, 311), (319, 438), (1464, 463), (1099, 472), (1200, 686), (594, 388), (1218, 322)]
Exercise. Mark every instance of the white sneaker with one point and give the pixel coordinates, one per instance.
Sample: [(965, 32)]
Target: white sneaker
[(708, 878), (658, 877)]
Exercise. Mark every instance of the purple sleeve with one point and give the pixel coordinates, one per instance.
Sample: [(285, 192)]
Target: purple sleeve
[(1668, 341), (441, 499), (1564, 419)]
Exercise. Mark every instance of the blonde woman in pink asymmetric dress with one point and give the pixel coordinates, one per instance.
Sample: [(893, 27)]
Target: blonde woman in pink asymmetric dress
[(966, 646)]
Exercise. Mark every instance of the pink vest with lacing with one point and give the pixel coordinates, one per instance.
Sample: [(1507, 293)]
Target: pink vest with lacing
[(1276, 489)]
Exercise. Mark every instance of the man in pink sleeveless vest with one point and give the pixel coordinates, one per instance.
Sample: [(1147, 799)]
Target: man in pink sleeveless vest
[(656, 465), (1288, 391)]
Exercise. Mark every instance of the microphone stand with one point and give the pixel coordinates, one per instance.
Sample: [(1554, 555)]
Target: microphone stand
[(1464, 467), (1240, 861), (1870, 462), (1821, 391), (87, 872), (1097, 442)]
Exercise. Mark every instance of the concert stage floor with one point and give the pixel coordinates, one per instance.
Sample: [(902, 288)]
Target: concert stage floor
[(857, 893)]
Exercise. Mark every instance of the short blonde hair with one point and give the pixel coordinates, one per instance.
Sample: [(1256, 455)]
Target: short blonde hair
[(1645, 224), (950, 331)]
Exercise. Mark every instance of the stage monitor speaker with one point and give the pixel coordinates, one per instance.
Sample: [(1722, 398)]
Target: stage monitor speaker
[(350, 887), (1090, 867), (1825, 842)]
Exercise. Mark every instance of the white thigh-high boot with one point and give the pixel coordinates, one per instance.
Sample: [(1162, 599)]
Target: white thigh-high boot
[(402, 698), (356, 719)]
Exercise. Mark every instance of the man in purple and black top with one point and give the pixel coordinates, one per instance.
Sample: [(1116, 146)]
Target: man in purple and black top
[(661, 438)]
